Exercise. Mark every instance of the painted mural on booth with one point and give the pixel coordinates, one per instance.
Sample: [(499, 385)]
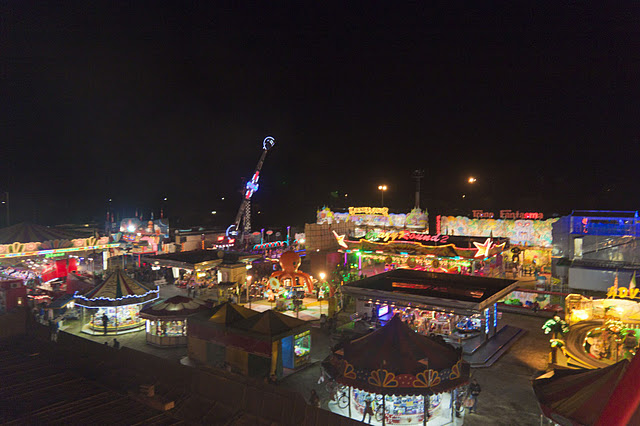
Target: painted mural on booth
[(520, 232)]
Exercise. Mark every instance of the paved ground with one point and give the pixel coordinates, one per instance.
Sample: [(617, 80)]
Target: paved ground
[(506, 399)]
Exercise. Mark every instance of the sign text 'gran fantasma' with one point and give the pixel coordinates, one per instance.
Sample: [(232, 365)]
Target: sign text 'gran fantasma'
[(506, 214)]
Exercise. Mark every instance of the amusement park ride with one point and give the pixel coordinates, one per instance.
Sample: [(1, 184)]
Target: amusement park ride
[(244, 212)]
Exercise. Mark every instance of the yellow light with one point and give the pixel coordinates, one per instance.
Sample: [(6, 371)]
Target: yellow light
[(322, 275), (579, 315), (382, 187), (472, 179)]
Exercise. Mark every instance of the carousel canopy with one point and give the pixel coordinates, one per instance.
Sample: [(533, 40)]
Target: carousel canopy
[(396, 360), (273, 324), (26, 232), (176, 307), (117, 290), (578, 397)]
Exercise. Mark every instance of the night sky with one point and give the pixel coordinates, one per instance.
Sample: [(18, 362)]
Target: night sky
[(139, 102)]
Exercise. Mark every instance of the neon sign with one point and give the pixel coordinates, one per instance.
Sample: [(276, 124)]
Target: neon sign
[(381, 211), (252, 185), (507, 214), (412, 236), (623, 292)]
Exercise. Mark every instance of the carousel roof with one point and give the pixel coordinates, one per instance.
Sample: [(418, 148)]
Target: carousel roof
[(26, 232), (585, 397), (118, 289), (396, 360), (230, 313), (174, 307)]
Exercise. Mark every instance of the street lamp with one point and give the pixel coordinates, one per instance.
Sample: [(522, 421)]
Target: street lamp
[(472, 179), (322, 277), (382, 189)]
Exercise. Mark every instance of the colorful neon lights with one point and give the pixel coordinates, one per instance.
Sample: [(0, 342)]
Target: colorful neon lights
[(62, 250)]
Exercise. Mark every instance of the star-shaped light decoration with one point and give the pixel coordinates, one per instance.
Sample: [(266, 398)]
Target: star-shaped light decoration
[(483, 249), (340, 240)]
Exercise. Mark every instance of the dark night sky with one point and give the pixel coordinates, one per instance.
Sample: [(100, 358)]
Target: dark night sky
[(106, 99)]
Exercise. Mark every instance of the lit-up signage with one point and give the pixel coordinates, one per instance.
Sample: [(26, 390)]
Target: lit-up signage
[(412, 236), (383, 211), (383, 310), (58, 251), (507, 214), (623, 292)]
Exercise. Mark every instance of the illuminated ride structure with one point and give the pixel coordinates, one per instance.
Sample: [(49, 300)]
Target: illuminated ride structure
[(409, 378), (244, 212), (119, 298)]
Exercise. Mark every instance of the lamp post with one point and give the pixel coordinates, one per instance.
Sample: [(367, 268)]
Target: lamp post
[(322, 277), (382, 189), (248, 285)]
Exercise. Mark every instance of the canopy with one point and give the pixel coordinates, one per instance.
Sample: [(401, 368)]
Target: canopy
[(176, 307), (26, 232), (577, 397), (117, 290), (229, 313), (396, 360), (272, 324)]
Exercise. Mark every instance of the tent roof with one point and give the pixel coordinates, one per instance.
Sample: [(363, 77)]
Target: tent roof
[(26, 232), (577, 396), (395, 360), (229, 313), (399, 349), (174, 307), (271, 323), (118, 289)]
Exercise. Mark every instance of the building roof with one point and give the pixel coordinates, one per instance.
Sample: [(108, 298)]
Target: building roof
[(118, 289), (467, 291), (26, 232), (189, 259), (176, 307)]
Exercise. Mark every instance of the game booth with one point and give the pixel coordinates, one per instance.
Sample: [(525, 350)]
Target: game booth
[(409, 378), (166, 321), (119, 298), (457, 307)]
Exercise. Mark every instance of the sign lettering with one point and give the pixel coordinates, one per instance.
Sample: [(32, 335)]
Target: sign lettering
[(412, 236), (381, 211), (507, 214), (623, 292)]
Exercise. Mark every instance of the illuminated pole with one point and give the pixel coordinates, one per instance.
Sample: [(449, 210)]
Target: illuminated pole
[(322, 276), (382, 189)]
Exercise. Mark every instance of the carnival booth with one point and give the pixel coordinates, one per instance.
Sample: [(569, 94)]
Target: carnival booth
[(115, 303), (403, 373), (253, 343), (167, 320)]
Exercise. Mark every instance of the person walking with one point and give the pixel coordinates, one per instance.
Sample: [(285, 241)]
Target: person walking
[(116, 344), (474, 391), (314, 399), (105, 323), (368, 409), (53, 327)]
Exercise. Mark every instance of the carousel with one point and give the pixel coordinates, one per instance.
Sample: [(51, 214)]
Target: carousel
[(407, 378), (167, 320), (114, 306)]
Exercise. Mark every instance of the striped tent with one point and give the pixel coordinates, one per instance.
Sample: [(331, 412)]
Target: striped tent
[(174, 308), (117, 290), (31, 233), (577, 397)]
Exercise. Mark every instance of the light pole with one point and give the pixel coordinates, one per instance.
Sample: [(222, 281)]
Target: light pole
[(248, 285), (322, 276), (382, 189)]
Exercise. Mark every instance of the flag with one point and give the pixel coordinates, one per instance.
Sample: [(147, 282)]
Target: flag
[(632, 284)]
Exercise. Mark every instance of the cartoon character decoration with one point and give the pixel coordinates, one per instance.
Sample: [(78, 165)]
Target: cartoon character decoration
[(290, 262)]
